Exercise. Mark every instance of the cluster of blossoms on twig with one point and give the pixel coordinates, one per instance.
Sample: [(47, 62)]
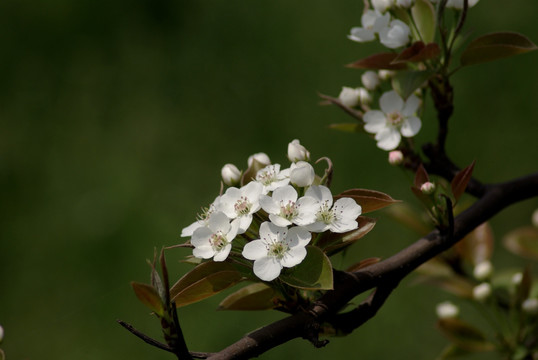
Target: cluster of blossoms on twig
[(271, 218)]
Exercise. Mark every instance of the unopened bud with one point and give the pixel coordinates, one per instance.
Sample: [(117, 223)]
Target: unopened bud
[(530, 306), (535, 218), (349, 96), (262, 158), (396, 157), (297, 152), (447, 310), (517, 278), (382, 5), (302, 174), (1, 333), (386, 74), (364, 96), (482, 292), (370, 80), (230, 174), (483, 270), (427, 188)]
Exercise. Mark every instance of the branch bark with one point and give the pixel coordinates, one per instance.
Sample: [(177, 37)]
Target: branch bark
[(383, 275)]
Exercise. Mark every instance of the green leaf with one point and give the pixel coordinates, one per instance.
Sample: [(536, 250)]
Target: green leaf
[(149, 297), (523, 242), (425, 18), (495, 46), (369, 200), (418, 52), (313, 273), (477, 246), (406, 82), (460, 181), (205, 280), (333, 242), (464, 335), (378, 61), (257, 296), (347, 127)]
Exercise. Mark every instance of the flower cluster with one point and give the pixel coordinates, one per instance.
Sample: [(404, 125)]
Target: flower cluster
[(271, 217)]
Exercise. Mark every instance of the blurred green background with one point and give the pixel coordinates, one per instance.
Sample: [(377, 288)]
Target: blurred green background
[(116, 117)]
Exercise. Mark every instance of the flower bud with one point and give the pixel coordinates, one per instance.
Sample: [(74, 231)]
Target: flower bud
[(458, 4), (302, 174), (404, 3), (364, 96), (447, 310), (386, 74), (535, 218), (230, 174), (517, 278), (349, 96), (1, 333), (297, 152), (483, 270), (370, 80), (482, 292), (262, 158), (382, 5), (396, 157), (427, 188), (530, 306)]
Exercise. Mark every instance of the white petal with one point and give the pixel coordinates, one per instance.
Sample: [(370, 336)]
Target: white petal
[(294, 256), (302, 175), (267, 268), (307, 207), (320, 193), (279, 220), (298, 236), (411, 126), (252, 192), (343, 225), (317, 227), (254, 250), (265, 230), (201, 236), (234, 228), (368, 18), (285, 194), (223, 254), (411, 105), (187, 231), (244, 223), (269, 205), (375, 121), (381, 22), (391, 102), (388, 139), (359, 34), (204, 252), (219, 222), (347, 208)]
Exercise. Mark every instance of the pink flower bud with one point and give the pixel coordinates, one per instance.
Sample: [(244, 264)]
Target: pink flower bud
[(396, 157), (427, 188)]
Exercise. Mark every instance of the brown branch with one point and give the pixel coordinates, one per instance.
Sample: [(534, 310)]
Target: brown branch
[(382, 274)]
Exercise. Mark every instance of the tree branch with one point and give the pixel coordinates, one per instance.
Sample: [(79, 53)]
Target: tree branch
[(383, 275)]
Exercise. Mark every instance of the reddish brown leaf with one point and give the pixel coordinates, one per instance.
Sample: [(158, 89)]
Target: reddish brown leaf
[(464, 335), (421, 177), (460, 181), (378, 61), (333, 242), (149, 297), (417, 52), (369, 200)]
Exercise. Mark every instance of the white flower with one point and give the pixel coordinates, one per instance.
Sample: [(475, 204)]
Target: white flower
[(530, 306), (386, 74), (372, 23), (230, 174), (382, 5), (364, 96), (241, 203), (517, 278), (284, 209), (351, 97), (202, 219), (483, 270), (297, 152), (482, 292), (302, 174), (262, 158), (458, 4), (338, 218), (272, 178), (370, 80), (215, 240), (404, 3), (395, 35), (395, 119), (277, 247), (447, 310)]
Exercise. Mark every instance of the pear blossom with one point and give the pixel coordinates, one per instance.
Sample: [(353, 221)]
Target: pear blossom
[(214, 241), (482, 291), (483, 270), (272, 178), (230, 174), (297, 152), (447, 310), (351, 97), (386, 74), (382, 5), (395, 35), (262, 158), (338, 217), (302, 174), (202, 218), (372, 23), (241, 203), (396, 118), (458, 4), (285, 209), (278, 247), (370, 80)]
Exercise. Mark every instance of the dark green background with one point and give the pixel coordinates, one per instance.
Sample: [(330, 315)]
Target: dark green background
[(116, 117)]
